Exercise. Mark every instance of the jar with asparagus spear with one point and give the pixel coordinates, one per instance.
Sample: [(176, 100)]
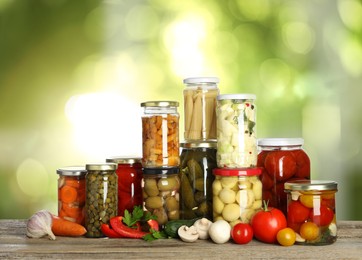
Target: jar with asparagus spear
[(199, 108)]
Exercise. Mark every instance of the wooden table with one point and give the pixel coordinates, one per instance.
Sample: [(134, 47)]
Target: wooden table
[(15, 244)]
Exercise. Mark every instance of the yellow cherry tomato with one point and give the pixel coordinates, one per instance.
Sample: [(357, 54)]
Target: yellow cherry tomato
[(286, 237), (307, 200), (309, 231)]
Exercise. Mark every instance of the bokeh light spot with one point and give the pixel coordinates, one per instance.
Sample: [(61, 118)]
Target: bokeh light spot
[(350, 12), (254, 10), (351, 55), (32, 178), (94, 25), (299, 37)]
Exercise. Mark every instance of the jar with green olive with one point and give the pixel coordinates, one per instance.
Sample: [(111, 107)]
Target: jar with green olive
[(237, 194), (198, 159), (101, 196), (161, 193)]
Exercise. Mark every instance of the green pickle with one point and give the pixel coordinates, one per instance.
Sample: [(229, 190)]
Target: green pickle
[(102, 197)]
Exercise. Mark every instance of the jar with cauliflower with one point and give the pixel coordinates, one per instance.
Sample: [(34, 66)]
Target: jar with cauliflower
[(237, 194), (236, 131)]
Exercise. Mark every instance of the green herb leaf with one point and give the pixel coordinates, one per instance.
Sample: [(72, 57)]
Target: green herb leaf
[(131, 219), (153, 235)]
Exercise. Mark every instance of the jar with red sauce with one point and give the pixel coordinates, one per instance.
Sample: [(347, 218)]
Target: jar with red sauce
[(312, 211), (282, 160), (129, 172)]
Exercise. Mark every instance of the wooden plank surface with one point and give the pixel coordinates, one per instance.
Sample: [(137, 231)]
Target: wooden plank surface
[(15, 244)]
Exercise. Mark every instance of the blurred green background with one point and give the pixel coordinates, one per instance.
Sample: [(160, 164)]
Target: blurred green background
[(73, 73)]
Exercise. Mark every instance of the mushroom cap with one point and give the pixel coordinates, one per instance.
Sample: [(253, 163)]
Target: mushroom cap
[(188, 234)]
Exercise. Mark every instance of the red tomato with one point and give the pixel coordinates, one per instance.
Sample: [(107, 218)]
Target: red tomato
[(266, 224), (297, 212), (280, 165), (266, 180), (242, 233), (261, 158), (303, 164), (322, 217)]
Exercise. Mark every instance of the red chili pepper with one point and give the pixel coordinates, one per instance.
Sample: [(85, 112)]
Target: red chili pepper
[(123, 230), (153, 224), (109, 232)]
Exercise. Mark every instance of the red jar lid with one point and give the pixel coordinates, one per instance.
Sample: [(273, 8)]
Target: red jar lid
[(255, 171)]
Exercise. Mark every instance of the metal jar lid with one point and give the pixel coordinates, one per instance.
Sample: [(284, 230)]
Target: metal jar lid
[(123, 160), (72, 171), (199, 144), (316, 185), (201, 80), (255, 171), (161, 171), (160, 104), (101, 166), (236, 96), (280, 141)]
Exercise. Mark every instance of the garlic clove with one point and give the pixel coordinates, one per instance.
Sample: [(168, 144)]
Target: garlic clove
[(40, 225)]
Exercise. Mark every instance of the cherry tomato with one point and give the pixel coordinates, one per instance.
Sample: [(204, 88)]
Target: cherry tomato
[(280, 165), (242, 233), (303, 164), (323, 216), (267, 222), (297, 213), (261, 158), (307, 200), (266, 180), (286, 237), (309, 231)]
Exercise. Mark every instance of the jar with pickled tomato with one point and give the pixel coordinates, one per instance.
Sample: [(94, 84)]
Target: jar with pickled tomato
[(129, 172), (160, 134), (161, 196), (199, 108), (312, 211), (198, 159), (71, 193), (236, 131), (237, 194), (282, 159)]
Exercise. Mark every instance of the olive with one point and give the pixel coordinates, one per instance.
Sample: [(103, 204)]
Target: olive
[(154, 202), (168, 183), (150, 187)]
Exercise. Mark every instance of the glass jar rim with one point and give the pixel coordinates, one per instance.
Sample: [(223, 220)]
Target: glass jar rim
[(160, 104), (280, 141), (236, 96), (212, 143), (123, 160), (72, 171), (255, 171), (317, 185), (195, 80)]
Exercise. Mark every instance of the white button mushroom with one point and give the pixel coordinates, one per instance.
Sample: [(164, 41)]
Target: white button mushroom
[(219, 231), (188, 234), (202, 227)]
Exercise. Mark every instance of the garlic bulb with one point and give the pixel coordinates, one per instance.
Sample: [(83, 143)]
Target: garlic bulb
[(40, 224)]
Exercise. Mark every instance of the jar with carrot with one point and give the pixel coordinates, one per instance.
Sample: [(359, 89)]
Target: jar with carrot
[(129, 172), (160, 134), (71, 193), (102, 198)]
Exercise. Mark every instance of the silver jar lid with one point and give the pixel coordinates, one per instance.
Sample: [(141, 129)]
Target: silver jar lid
[(201, 80), (317, 185), (123, 160), (160, 104), (101, 166), (72, 171), (280, 141), (199, 144), (237, 96)]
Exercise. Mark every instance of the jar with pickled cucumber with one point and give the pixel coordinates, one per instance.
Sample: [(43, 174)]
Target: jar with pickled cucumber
[(236, 131), (160, 134), (312, 211), (237, 194), (199, 108), (282, 160), (101, 196), (198, 159), (129, 173), (71, 193), (161, 196)]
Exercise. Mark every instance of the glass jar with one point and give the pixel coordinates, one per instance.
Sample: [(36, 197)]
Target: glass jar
[(160, 134), (312, 211), (129, 172), (198, 159), (236, 131), (71, 193), (282, 159), (161, 193), (237, 194), (102, 199), (199, 108)]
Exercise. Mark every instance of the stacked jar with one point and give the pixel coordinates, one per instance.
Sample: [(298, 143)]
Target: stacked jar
[(237, 189), (198, 155), (161, 159)]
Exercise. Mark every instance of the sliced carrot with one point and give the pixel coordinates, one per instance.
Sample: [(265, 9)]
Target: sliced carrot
[(68, 194), (71, 211), (62, 227)]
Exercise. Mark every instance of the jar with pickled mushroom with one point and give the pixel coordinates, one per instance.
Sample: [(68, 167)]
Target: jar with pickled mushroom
[(236, 131), (160, 134), (161, 193), (198, 159), (237, 194), (312, 211), (71, 193), (282, 160), (129, 173), (199, 108), (101, 199)]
